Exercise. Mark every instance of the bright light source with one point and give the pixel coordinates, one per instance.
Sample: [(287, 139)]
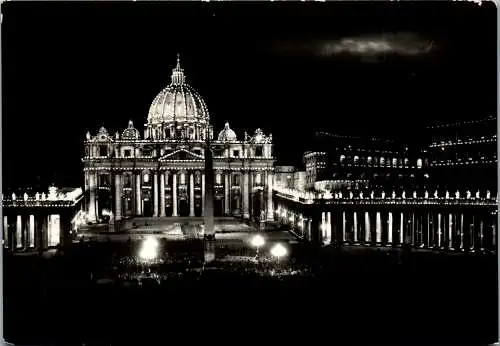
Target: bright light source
[(149, 249), (258, 241), (279, 250), (150, 243)]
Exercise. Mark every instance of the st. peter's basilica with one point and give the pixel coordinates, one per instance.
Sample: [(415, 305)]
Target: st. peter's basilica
[(161, 173)]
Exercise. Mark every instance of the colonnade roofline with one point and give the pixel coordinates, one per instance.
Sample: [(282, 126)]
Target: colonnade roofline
[(457, 198), (56, 197)]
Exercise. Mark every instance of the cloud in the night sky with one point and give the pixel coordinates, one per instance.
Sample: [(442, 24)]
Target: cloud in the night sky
[(407, 44), (363, 46)]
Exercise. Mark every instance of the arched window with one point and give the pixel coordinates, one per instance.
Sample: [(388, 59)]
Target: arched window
[(257, 178), (146, 178), (342, 158), (394, 162), (419, 163), (369, 160), (407, 162), (218, 179), (356, 159), (183, 178), (382, 161)]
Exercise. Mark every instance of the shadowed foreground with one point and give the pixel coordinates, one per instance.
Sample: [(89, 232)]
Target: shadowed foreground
[(364, 295)]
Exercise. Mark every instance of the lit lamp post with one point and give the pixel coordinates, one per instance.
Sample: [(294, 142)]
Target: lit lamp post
[(279, 251), (258, 241)]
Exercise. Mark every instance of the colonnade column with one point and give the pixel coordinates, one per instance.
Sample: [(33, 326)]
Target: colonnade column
[(378, 228), (174, 194), (227, 201), (155, 194), (138, 197), (118, 197), (367, 227), (355, 226), (191, 194), (162, 194), (390, 228), (19, 232), (246, 213), (401, 229), (6, 236), (270, 214), (31, 231), (92, 214)]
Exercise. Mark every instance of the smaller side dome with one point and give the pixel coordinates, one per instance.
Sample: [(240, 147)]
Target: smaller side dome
[(227, 134), (130, 132)]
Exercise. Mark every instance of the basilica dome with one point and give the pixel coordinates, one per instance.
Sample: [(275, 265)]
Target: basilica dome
[(178, 102)]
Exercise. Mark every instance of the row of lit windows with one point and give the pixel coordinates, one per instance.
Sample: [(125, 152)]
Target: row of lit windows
[(382, 161)]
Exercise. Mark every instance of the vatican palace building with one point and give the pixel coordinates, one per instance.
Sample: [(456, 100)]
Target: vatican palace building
[(161, 173)]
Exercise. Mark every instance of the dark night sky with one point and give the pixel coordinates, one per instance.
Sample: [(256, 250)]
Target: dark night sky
[(69, 68)]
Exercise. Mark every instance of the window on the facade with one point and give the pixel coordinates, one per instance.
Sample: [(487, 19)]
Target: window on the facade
[(218, 179), (86, 151), (258, 151), (419, 163), (146, 178), (127, 153), (103, 150), (236, 153), (257, 178), (236, 180), (126, 181), (342, 158), (103, 180), (197, 151)]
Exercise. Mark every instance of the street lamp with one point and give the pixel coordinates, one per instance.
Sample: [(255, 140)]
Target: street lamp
[(258, 241), (279, 251)]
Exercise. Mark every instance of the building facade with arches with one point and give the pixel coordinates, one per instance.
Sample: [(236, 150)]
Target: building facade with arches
[(160, 172)]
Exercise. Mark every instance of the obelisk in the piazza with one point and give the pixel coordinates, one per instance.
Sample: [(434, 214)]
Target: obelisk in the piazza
[(209, 193)]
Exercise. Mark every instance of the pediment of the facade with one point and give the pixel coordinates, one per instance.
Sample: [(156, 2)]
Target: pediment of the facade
[(181, 154)]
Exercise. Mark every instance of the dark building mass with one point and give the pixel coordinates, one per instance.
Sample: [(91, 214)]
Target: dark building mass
[(464, 154)]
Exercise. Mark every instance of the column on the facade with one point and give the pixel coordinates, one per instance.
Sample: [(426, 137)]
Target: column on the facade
[(191, 193), (203, 194), (245, 195), (162, 194), (439, 232), (174, 194), (270, 214), (155, 194), (250, 187), (118, 197), (227, 200), (138, 198), (92, 213)]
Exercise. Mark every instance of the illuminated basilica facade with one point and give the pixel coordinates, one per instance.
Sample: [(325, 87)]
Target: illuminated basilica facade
[(161, 173)]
